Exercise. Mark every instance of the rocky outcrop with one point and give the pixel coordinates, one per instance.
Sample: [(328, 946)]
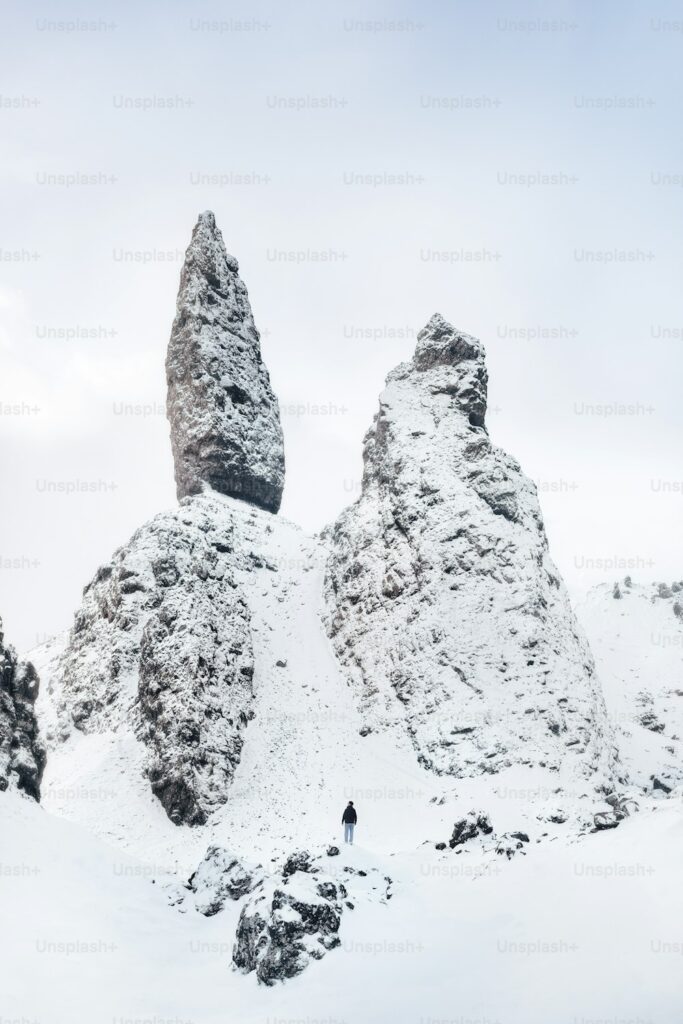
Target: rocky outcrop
[(161, 646), (287, 923), (294, 917), (221, 877), (224, 416), (443, 603), (22, 755), (476, 823)]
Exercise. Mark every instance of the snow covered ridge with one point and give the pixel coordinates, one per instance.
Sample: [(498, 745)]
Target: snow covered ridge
[(636, 633), (224, 416), (443, 604), (22, 756)]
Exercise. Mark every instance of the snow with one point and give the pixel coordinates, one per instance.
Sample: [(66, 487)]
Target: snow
[(582, 927), (637, 640), (577, 926), (582, 931), (303, 757)]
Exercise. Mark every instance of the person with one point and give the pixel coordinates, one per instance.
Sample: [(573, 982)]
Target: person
[(349, 819)]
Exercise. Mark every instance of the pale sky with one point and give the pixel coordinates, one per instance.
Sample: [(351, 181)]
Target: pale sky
[(368, 165)]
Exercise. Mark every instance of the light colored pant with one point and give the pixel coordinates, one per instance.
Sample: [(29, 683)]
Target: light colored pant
[(348, 832)]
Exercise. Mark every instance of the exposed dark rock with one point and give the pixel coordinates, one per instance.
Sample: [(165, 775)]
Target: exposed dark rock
[(224, 416), (291, 919), (511, 843), (603, 824), (649, 720), (22, 755), (474, 824), (301, 860), (283, 926)]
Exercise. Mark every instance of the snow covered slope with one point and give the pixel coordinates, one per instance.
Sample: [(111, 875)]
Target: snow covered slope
[(444, 606), (301, 755), (636, 633), (588, 931), (303, 751)]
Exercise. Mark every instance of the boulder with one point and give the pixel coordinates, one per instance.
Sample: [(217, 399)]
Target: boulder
[(287, 923), (473, 824), (221, 877)]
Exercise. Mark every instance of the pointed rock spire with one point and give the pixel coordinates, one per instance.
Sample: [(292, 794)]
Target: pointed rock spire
[(443, 603), (462, 359), (225, 420)]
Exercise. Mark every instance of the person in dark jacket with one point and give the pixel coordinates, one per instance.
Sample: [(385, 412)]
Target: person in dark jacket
[(349, 819)]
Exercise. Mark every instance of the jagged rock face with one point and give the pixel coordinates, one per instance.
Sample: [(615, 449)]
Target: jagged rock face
[(224, 416), (161, 646), (443, 603), (22, 756)]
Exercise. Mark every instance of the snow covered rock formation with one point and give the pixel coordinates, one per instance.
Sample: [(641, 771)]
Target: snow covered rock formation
[(285, 925), (224, 416), (22, 757), (295, 917), (221, 877), (443, 604), (161, 646)]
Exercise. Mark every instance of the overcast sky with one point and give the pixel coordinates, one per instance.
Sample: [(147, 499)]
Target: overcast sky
[(368, 164)]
